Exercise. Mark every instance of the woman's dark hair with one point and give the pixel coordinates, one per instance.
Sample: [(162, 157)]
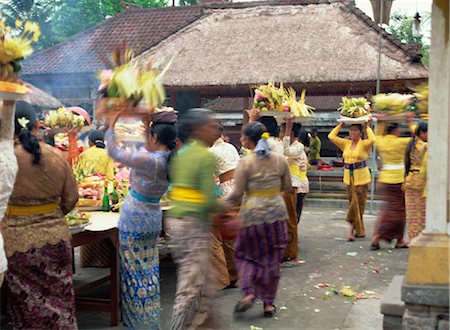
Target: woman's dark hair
[(166, 133), (193, 117), (358, 126), (254, 131), (392, 127), (28, 140), (303, 136), (97, 138), (421, 127), (271, 125), (296, 128)]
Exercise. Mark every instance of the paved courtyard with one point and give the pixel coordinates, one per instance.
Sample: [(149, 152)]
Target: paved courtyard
[(302, 303)]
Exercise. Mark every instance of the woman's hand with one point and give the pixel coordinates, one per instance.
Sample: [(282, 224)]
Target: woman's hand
[(369, 123), (410, 118), (342, 125), (255, 114)]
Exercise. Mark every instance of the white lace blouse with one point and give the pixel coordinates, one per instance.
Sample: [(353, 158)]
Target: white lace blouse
[(8, 167)]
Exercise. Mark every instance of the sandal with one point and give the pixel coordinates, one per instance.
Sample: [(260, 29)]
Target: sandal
[(269, 314), (402, 246), (374, 247), (242, 306)]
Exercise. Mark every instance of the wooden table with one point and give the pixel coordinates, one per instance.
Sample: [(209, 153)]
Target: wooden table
[(111, 305)]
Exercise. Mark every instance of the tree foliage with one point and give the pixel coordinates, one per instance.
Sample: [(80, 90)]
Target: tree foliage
[(61, 19), (402, 27)]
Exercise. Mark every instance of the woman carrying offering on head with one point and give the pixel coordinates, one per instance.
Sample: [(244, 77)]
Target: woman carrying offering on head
[(391, 221), (260, 178), (140, 221), (356, 173)]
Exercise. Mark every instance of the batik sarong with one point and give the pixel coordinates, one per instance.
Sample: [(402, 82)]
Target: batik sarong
[(41, 293), (139, 280)]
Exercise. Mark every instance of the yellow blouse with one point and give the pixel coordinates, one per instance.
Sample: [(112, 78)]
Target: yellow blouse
[(100, 161), (392, 151), (359, 153)]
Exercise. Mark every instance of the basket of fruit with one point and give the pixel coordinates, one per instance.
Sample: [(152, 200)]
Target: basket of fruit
[(392, 106), (15, 45), (62, 120), (128, 91), (354, 110), (277, 101)]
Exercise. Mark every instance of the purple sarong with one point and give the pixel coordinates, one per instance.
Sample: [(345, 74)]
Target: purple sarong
[(258, 253)]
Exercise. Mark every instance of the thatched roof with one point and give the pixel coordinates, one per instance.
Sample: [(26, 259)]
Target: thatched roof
[(90, 50), (41, 99), (312, 42)]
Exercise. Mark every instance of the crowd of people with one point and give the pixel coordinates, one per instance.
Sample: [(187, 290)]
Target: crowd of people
[(205, 176)]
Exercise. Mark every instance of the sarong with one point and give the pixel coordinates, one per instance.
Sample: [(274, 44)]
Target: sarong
[(357, 196), (291, 251), (227, 245), (300, 204), (139, 280), (218, 261), (41, 293), (258, 254), (415, 211), (190, 237), (392, 220)]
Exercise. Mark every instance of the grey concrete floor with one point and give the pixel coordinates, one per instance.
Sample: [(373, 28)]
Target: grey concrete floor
[(323, 246)]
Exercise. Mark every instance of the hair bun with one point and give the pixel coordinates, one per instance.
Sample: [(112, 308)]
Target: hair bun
[(172, 145), (164, 117)]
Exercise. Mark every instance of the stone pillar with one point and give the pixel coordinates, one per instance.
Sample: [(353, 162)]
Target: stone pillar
[(426, 287)]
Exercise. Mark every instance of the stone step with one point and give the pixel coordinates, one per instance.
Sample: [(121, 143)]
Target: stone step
[(392, 306)]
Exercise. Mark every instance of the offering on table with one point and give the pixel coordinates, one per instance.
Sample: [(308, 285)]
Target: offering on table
[(76, 218), (15, 45), (90, 191)]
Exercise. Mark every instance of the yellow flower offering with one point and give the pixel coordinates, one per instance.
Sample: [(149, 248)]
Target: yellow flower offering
[(15, 45)]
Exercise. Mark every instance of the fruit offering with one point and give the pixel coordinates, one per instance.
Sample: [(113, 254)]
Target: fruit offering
[(90, 191), (63, 118), (130, 84), (15, 45), (354, 107), (276, 98), (392, 104), (421, 93), (297, 108), (76, 218), (269, 97)]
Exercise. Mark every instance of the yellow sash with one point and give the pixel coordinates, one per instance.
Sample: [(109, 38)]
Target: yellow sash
[(188, 195), (295, 171), (23, 210), (263, 193)]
